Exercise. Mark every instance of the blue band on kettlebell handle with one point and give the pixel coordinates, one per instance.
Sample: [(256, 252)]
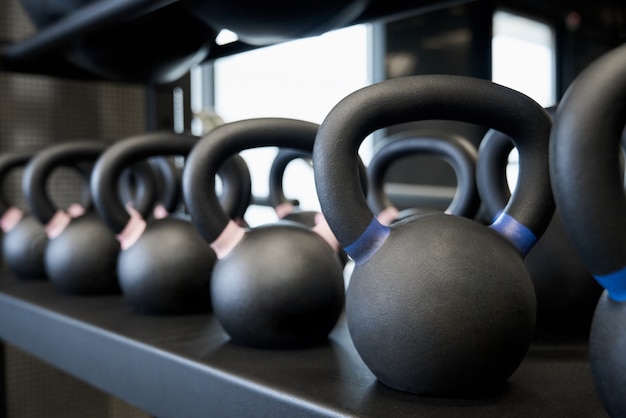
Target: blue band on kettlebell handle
[(517, 233), (369, 242), (614, 283)]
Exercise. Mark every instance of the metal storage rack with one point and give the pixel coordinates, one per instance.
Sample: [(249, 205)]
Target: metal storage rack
[(186, 367)]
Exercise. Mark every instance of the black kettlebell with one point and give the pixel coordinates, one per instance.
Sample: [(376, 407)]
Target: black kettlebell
[(437, 305), (455, 150), (277, 285), (289, 209), (236, 193), (165, 266), (80, 254), (566, 292), (24, 239), (169, 192), (164, 175), (589, 191)]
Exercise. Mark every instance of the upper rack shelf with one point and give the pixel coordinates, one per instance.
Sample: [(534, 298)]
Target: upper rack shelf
[(98, 23)]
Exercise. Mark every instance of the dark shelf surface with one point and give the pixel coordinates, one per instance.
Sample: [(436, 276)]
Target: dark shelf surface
[(186, 367)]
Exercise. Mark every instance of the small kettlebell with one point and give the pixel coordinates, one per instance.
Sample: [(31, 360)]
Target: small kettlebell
[(455, 150), (165, 266), (80, 254), (277, 285), (589, 190), (566, 292), (437, 305), (24, 239)]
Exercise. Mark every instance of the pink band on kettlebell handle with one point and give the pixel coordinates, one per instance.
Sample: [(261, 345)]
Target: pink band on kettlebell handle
[(160, 212), (228, 239), (322, 229), (57, 224), (284, 209), (133, 229), (388, 215), (75, 210), (11, 217)]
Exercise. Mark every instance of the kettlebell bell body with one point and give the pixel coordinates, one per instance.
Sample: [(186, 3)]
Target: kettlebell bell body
[(437, 305)]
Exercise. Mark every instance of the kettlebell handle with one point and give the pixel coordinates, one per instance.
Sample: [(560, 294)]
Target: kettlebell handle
[(454, 149), (144, 194), (9, 161), (236, 194), (416, 98), (124, 154), (202, 165), (284, 156), (277, 170), (40, 167), (127, 152), (493, 155), (171, 175), (491, 180)]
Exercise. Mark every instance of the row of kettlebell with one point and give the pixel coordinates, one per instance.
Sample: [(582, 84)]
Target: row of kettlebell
[(418, 285), (460, 153), (73, 247)]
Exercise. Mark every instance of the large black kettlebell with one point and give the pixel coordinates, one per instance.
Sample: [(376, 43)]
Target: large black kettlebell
[(438, 305), (165, 266), (455, 150), (24, 239), (275, 286), (566, 292), (589, 191), (81, 253)]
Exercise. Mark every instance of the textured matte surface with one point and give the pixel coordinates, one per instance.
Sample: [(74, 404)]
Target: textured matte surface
[(185, 366)]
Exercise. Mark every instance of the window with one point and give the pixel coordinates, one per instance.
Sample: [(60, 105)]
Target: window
[(300, 79), (523, 58)]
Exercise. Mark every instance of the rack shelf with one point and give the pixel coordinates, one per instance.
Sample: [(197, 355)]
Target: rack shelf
[(185, 366), (43, 52)]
